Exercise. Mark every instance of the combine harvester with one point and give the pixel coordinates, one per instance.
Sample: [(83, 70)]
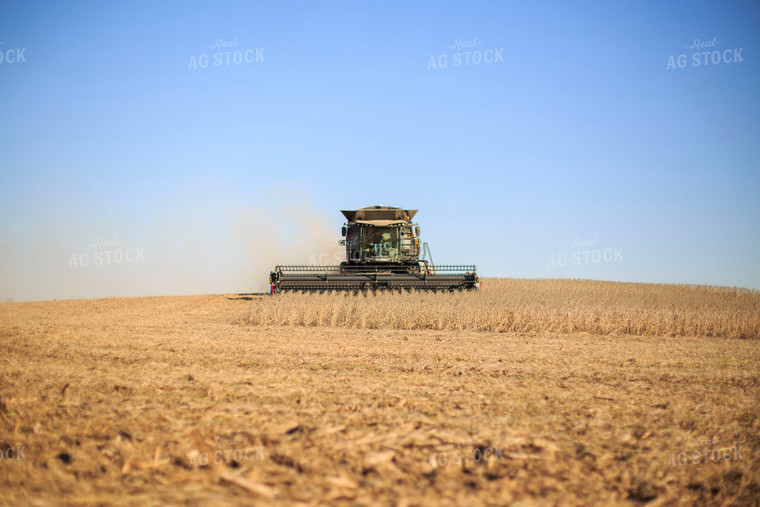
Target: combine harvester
[(382, 253)]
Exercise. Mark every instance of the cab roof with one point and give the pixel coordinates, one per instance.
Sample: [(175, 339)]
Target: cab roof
[(379, 213)]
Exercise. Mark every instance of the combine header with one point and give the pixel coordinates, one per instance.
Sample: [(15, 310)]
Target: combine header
[(382, 253)]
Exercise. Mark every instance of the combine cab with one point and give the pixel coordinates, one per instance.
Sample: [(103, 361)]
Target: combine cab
[(382, 252)]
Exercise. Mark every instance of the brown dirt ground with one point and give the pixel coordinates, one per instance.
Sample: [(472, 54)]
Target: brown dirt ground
[(174, 400)]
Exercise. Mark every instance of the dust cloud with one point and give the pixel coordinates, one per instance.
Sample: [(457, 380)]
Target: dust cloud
[(191, 244)]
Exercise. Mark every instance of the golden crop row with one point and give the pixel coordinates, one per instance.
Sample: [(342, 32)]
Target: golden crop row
[(518, 305)]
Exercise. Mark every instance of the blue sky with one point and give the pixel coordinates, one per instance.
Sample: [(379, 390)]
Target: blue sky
[(578, 139)]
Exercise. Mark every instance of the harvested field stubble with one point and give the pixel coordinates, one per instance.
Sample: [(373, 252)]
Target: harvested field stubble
[(176, 400), (532, 306)]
